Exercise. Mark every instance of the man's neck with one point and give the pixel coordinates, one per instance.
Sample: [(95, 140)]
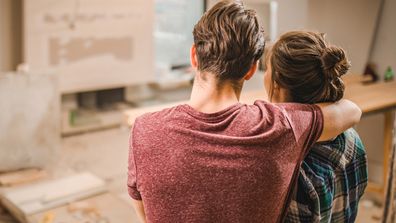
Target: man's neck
[(209, 97)]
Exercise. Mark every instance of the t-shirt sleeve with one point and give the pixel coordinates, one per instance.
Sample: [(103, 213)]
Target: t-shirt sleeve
[(132, 175), (306, 121)]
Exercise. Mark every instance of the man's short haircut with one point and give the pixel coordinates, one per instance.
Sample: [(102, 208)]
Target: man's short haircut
[(228, 40)]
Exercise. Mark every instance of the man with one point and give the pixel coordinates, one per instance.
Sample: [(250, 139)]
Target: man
[(218, 160)]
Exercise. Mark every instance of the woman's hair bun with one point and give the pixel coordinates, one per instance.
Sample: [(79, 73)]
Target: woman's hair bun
[(334, 65), (334, 62), (308, 67)]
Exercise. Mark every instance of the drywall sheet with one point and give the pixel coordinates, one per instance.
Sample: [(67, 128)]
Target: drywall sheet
[(29, 120), (90, 44)]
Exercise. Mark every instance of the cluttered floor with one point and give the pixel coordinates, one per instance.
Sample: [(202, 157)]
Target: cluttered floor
[(104, 154)]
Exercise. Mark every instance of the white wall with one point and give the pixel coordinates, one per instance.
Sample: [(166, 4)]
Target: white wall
[(384, 48), (383, 55), (350, 24), (292, 15), (371, 131)]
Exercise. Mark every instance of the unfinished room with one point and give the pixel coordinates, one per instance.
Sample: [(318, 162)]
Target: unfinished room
[(157, 111)]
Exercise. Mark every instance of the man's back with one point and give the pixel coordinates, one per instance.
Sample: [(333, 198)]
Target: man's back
[(235, 165)]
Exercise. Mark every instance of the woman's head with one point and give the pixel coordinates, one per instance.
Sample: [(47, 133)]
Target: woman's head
[(302, 67), (228, 41)]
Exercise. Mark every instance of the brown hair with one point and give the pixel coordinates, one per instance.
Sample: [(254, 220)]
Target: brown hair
[(308, 67), (228, 40)]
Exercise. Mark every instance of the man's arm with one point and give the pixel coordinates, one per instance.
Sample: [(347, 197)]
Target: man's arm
[(138, 205), (132, 177), (338, 117)]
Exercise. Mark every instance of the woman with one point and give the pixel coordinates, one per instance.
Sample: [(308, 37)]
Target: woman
[(303, 68)]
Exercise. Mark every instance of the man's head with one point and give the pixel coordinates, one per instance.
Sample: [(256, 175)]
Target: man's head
[(228, 42)]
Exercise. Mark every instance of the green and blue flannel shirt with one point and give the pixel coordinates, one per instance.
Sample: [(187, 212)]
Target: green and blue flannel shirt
[(332, 179)]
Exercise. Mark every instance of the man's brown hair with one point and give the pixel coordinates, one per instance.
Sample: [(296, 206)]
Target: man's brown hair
[(308, 67), (228, 40)]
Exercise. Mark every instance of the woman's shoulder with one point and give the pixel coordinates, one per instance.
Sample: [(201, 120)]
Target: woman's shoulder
[(341, 151), (353, 140), (349, 139)]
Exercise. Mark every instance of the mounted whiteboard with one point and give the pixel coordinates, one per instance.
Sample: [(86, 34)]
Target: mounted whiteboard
[(90, 44)]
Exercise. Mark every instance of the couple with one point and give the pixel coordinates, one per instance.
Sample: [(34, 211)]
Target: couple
[(218, 160)]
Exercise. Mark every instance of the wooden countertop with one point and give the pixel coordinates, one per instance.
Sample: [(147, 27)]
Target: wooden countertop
[(373, 97), (370, 98)]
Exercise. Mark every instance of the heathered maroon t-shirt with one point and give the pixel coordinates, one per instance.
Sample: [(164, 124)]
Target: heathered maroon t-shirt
[(235, 165)]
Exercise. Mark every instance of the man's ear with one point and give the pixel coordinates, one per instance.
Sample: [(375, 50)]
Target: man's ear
[(251, 71), (193, 57)]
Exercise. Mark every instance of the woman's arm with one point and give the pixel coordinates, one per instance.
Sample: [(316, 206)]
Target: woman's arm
[(338, 117), (139, 208)]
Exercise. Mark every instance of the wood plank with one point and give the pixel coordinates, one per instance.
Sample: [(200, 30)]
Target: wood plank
[(21, 176), (94, 209), (27, 200)]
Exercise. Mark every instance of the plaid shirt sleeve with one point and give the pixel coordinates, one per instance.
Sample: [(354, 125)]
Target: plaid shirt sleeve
[(332, 179)]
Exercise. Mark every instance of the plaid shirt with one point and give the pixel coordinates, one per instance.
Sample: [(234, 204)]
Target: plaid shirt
[(332, 179)]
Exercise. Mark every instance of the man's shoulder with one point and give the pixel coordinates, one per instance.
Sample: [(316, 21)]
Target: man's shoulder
[(153, 125), (268, 106), (285, 107), (159, 116)]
